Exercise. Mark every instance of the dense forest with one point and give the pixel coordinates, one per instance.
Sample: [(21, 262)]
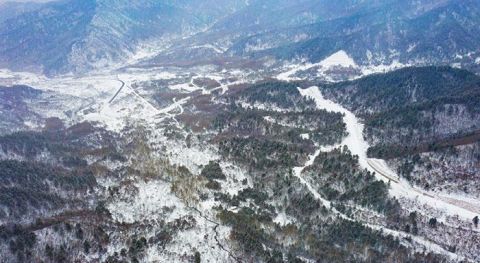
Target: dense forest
[(338, 177), (421, 119), (221, 175), (413, 105), (14, 108), (268, 142), (276, 94), (47, 171)]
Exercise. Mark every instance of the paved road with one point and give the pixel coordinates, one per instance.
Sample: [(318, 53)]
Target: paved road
[(118, 92)]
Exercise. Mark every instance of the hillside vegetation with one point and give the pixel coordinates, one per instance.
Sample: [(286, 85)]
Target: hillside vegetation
[(422, 120)]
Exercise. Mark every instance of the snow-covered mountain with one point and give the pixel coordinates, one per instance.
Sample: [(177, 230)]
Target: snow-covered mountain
[(372, 32), (240, 131), (78, 36)]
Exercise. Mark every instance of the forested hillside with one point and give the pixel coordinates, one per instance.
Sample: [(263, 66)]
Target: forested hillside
[(413, 105), (16, 113), (81, 36), (239, 131), (413, 116)]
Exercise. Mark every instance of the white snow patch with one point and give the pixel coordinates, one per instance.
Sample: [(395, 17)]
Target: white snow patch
[(8, 77), (369, 55), (292, 69), (188, 87), (354, 140), (283, 219), (456, 65), (411, 47), (149, 203), (261, 106), (372, 69), (235, 175), (338, 59), (210, 46), (305, 136), (192, 158), (5, 73)]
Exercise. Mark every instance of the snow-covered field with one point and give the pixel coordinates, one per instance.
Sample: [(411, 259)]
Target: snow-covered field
[(89, 98)]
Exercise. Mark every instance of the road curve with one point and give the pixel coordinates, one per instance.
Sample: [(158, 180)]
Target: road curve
[(358, 146), (118, 91)]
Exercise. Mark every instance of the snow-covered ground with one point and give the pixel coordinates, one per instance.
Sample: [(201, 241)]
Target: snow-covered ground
[(464, 208), (424, 243), (340, 58), (337, 60), (297, 172), (154, 202), (96, 91), (90, 99)]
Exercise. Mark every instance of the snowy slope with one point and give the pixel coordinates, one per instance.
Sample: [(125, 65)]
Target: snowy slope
[(399, 187)]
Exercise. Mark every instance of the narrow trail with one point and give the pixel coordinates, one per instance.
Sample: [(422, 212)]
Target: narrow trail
[(297, 172), (175, 105), (145, 102), (399, 187), (204, 91), (155, 112), (429, 245), (216, 225)]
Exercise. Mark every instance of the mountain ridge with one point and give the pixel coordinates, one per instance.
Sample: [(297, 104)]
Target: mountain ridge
[(108, 33)]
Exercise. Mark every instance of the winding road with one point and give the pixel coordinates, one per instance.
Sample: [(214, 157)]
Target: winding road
[(431, 246), (399, 187)]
